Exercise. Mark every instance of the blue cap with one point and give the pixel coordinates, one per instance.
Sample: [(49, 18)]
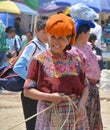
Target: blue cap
[(78, 23)]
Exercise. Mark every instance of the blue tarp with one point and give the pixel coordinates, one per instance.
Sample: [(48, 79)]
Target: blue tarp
[(97, 5), (7, 16)]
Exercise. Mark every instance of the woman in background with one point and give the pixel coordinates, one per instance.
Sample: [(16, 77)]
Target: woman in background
[(92, 71)]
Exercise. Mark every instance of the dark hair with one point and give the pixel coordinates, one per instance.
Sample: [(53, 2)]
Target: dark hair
[(60, 12), (8, 28), (41, 22), (96, 20), (68, 47), (11, 29), (92, 37), (29, 32), (18, 18), (83, 28)]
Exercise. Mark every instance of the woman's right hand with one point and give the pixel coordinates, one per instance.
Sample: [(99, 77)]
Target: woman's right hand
[(58, 97)]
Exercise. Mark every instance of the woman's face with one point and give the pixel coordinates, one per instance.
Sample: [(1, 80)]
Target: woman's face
[(58, 44), (29, 36), (85, 36)]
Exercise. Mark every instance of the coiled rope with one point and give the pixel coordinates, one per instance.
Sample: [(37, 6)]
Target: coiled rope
[(71, 105)]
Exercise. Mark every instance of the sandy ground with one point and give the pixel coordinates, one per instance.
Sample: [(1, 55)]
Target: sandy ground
[(11, 110)]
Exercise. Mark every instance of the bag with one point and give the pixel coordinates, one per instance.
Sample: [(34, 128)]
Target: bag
[(82, 12), (9, 80)]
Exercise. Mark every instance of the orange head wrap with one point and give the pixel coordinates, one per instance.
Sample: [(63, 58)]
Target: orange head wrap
[(61, 25)]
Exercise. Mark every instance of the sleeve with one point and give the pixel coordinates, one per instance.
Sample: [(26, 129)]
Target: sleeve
[(28, 52), (17, 44), (22, 63), (32, 77), (91, 59), (20, 67)]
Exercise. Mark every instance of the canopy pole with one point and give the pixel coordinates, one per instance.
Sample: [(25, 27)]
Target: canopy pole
[(7, 20), (32, 21), (35, 22)]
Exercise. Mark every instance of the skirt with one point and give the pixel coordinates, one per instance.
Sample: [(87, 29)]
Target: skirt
[(60, 117), (93, 108)]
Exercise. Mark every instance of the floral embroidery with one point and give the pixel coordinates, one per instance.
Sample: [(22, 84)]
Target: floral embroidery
[(55, 68), (30, 83)]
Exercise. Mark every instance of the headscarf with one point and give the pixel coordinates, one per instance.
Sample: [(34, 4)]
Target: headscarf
[(61, 25), (78, 23)]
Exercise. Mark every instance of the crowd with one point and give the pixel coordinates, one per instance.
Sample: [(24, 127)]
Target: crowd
[(63, 71)]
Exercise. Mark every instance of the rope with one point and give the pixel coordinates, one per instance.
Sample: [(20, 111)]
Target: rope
[(32, 116), (74, 107), (71, 105)]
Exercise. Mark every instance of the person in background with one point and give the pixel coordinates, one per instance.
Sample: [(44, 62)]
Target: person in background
[(36, 45), (95, 49), (54, 75), (92, 71), (8, 39), (97, 30), (15, 44), (98, 43), (3, 45), (29, 37), (17, 26)]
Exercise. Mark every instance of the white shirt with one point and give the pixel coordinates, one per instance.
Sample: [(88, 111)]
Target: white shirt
[(98, 32), (26, 57)]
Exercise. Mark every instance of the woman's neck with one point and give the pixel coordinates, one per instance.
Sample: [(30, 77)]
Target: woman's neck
[(79, 42), (57, 55)]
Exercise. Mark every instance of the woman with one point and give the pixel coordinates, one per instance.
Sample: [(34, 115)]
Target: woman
[(92, 72), (54, 76)]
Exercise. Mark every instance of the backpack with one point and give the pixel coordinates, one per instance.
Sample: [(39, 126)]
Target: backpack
[(9, 80)]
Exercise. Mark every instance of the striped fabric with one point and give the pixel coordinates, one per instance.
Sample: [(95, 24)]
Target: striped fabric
[(93, 108), (54, 118)]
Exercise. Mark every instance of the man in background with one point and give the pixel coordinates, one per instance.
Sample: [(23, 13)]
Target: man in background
[(98, 32), (17, 26)]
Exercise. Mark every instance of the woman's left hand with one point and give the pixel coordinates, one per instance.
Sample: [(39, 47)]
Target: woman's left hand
[(81, 111)]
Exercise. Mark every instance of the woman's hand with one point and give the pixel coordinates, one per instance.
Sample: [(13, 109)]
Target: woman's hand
[(58, 97), (81, 111)]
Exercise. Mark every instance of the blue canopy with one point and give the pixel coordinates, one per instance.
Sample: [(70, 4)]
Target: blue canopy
[(7, 16), (25, 9), (97, 5), (15, 7)]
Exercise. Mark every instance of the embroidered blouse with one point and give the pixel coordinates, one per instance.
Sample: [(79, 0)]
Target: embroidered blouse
[(91, 67), (49, 74)]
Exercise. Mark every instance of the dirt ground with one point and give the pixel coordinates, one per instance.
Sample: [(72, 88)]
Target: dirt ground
[(11, 110)]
